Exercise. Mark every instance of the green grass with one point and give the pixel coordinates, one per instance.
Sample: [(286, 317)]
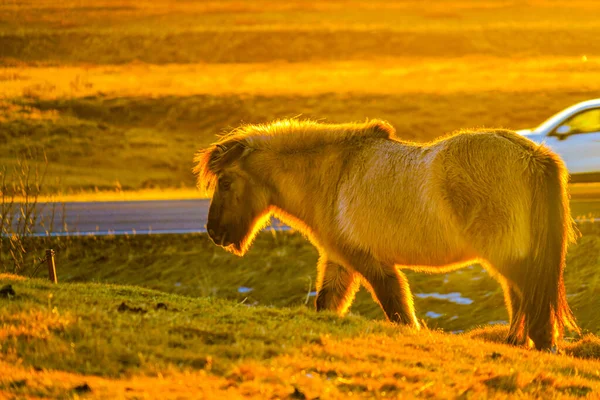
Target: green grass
[(281, 267), (65, 340), (109, 339)]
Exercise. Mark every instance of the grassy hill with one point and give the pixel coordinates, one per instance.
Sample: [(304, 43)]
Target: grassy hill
[(110, 341), (140, 143), (280, 271)]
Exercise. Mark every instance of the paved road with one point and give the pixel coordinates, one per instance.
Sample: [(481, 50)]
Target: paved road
[(164, 216), (126, 217)]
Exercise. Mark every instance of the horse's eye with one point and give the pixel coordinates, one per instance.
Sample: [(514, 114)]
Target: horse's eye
[(224, 185)]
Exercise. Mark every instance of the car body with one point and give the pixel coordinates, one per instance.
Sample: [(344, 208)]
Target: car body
[(574, 134)]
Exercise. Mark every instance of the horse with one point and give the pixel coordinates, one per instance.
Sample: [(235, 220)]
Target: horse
[(373, 204)]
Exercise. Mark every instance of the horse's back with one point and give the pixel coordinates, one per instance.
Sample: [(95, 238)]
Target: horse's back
[(389, 205), (439, 203)]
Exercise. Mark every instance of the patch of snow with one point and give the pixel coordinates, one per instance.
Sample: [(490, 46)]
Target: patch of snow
[(454, 297)]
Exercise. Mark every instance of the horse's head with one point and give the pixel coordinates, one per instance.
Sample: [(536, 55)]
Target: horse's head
[(239, 202)]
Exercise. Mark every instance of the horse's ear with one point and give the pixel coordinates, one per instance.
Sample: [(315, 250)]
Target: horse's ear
[(226, 153), (382, 129), (247, 151)]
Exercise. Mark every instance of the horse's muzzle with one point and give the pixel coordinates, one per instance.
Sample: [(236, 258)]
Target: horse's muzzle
[(220, 239)]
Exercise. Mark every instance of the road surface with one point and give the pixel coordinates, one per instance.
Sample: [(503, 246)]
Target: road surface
[(161, 216), (125, 217)]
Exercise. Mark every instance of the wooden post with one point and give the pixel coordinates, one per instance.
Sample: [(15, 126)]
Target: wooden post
[(51, 266)]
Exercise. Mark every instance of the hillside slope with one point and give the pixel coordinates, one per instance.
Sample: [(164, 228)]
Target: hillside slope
[(121, 94), (108, 341)]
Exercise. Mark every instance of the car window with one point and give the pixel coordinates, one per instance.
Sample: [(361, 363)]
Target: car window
[(585, 122)]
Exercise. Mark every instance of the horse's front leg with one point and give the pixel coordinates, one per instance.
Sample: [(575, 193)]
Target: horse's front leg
[(389, 288), (336, 287)]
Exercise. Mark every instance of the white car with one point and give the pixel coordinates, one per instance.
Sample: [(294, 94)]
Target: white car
[(573, 133)]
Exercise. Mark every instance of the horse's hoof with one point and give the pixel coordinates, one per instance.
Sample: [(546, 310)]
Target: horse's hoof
[(513, 341), (552, 349)]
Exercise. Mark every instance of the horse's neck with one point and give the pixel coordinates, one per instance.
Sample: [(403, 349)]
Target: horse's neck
[(292, 201), (306, 185), (297, 183)]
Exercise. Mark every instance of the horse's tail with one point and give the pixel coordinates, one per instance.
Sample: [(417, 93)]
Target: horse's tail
[(552, 229)]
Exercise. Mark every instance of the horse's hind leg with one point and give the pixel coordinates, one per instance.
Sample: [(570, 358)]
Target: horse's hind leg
[(532, 317), (336, 287), (513, 301), (538, 323)]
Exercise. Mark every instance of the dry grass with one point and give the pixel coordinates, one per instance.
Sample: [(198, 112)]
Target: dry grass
[(145, 142), (385, 76), (164, 32)]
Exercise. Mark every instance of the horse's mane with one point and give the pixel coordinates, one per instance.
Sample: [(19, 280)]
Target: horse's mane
[(282, 136), (292, 134)]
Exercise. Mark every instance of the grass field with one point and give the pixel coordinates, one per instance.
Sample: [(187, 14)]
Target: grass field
[(280, 271), (108, 341), (159, 32)]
